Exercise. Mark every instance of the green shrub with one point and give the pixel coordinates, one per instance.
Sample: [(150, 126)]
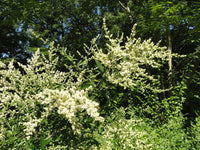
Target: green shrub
[(195, 133), (124, 130), (122, 133)]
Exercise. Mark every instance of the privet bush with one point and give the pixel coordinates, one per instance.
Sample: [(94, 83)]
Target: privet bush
[(130, 73), (129, 64), (31, 95)]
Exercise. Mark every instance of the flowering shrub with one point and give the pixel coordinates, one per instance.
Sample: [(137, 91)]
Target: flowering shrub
[(130, 71), (128, 64), (29, 95)]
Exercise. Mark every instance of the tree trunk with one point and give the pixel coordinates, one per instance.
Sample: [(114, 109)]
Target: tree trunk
[(170, 56)]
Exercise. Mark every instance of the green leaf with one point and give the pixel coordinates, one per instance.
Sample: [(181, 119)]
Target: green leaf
[(44, 142), (85, 85), (100, 66)]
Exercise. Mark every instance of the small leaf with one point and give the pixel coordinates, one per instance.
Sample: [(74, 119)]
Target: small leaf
[(100, 66), (85, 85)]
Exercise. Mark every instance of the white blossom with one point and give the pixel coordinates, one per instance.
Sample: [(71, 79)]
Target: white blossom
[(126, 65), (41, 90)]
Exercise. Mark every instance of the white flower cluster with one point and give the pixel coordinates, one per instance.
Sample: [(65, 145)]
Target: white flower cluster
[(30, 127), (2, 132), (39, 82), (69, 102), (128, 65), (126, 135)]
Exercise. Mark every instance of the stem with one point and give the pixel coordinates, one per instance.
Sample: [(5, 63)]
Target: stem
[(128, 11)]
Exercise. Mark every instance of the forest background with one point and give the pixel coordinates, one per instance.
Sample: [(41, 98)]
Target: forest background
[(159, 114)]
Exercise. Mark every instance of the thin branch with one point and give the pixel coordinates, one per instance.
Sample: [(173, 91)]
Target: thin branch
[(128, 11)]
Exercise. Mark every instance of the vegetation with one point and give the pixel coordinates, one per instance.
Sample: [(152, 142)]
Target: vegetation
[(99, 75)]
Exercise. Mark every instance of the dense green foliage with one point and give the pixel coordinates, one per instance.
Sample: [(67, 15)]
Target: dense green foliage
[(79, 74)]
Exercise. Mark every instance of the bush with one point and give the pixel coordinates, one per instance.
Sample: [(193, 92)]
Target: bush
[(124, 130), (195, 133), (38, 97), (130, 75)]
